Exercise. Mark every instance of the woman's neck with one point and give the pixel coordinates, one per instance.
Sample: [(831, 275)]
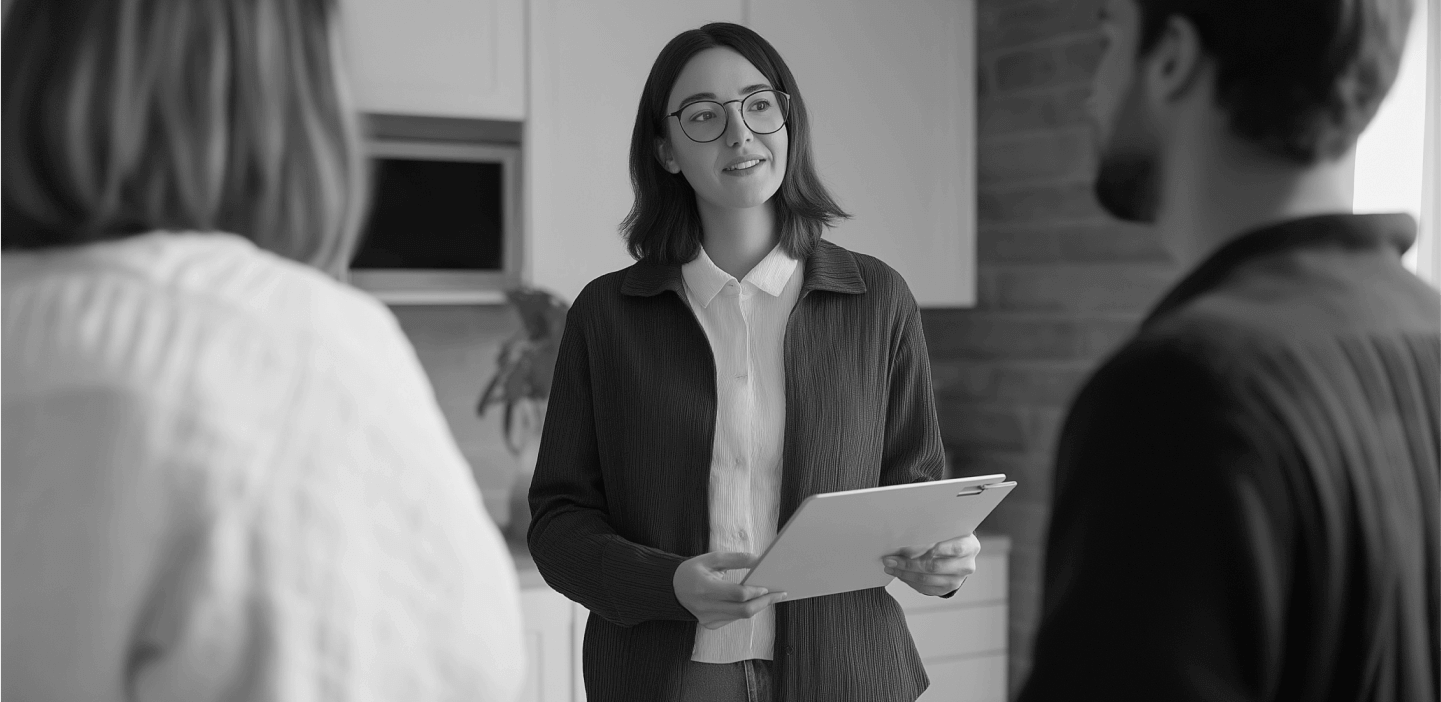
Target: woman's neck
[(736, 240)]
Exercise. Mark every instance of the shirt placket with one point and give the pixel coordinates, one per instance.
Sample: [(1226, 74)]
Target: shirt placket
[(745, 398)]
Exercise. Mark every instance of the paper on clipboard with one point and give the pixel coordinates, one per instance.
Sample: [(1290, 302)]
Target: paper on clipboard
[(835, 541)]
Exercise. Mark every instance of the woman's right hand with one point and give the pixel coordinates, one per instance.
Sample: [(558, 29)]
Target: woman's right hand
[(714, 602)]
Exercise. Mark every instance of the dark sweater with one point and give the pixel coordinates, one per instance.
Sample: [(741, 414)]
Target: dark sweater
[(620, 489), (1246, 493)]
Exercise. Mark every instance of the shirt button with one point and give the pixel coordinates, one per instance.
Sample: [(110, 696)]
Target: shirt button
[(744, 535)]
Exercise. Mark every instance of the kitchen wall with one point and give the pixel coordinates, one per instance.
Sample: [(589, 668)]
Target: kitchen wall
[(1059, 283), (457, 345)]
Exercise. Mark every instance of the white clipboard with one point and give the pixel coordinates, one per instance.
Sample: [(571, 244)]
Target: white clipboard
[(835, 541)]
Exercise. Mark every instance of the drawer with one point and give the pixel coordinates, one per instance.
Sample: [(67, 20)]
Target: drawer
[(979, 679), (959, 632)]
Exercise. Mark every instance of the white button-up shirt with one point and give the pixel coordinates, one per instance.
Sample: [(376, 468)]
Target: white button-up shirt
[(745, 322)]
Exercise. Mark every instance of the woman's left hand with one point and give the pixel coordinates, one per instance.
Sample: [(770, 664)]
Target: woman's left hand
[(937, 569)]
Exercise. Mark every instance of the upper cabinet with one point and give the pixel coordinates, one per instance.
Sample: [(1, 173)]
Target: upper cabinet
[(890, 89), (589, 61), (441, 58)]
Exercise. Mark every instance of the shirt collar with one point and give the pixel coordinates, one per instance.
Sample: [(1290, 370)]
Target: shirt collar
[(705, 279), (828, 268), (1371, 231)]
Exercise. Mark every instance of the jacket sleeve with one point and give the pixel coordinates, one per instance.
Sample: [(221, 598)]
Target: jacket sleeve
[(1168, 548), (574, 546), (913, 451)]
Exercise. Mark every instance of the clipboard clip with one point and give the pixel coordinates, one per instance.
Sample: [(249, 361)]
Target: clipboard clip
[(983, 488)]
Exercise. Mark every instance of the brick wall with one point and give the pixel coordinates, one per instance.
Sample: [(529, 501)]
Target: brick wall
[(1060, 284)]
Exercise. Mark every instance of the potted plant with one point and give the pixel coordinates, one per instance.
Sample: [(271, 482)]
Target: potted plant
[(521, 388)]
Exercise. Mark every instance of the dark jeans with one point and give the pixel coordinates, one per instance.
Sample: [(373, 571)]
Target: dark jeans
[(746, 681)]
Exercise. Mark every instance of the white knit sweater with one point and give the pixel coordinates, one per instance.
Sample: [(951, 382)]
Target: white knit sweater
[(226, 478)]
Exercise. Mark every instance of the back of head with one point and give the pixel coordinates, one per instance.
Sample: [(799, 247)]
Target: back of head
[(128, 116), (1301, 78)]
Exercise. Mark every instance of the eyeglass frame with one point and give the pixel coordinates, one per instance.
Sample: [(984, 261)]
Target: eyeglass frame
[(742, 100)]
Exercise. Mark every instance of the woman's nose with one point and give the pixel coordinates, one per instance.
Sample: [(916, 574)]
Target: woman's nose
[(737, 132)]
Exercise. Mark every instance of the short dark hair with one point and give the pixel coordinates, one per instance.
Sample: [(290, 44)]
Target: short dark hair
[(664, 222), (1301, 78), (128, 116)]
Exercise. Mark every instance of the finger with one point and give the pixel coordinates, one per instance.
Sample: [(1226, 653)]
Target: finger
[(912, 551), (967, 546), (760, 604), (938, 566), (940, 583), (718, 560), (731, 592)]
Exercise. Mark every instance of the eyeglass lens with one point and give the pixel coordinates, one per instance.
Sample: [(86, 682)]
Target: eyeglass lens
[(764, 112)]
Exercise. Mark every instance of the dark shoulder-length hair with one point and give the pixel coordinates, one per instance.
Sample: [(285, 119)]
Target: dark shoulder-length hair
[(1301, 78), (128, 116), (664, 223)]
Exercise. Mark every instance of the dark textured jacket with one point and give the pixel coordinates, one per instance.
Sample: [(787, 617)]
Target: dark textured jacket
[(1246, 494), (620, 490)]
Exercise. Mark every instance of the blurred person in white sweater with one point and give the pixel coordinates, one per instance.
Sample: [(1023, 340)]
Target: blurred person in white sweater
[(225, 473)]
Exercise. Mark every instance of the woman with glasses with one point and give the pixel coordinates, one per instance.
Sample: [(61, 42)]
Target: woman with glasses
[(226, 476), (741, 365)]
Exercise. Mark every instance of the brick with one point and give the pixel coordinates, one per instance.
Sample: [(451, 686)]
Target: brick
[(1069, 202), (1080, 58), (974, 426), (1020, 23), (1049, 383), (1074, 288), (1030, 469), (1051, 155), (1067, 62), (1044, 428), (953, 334), (1002, 114), (1117, 241), (1002, 244), (1026, 69), (1107, 242)]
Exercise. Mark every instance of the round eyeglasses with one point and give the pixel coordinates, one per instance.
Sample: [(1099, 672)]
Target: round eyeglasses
[(763, 112)]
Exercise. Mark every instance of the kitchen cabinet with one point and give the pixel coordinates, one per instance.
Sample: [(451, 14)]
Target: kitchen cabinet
[(962, 640), (589, 61), (552, 645), (890, 88), (440, 58)]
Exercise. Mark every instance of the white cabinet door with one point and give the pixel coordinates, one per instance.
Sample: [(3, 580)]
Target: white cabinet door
[(589, 61), (890, 88), (548, 643), (442, 58)]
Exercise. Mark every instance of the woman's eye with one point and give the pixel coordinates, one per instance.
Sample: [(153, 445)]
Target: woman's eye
[(760, 105), (702, 116)]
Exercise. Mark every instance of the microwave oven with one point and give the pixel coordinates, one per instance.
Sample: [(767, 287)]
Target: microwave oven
[(443, 225)]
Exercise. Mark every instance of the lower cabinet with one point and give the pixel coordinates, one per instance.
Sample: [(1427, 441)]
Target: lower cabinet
[(553, 629), (962, 640)]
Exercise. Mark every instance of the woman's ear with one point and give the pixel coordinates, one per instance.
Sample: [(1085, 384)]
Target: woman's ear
[(666, 155)]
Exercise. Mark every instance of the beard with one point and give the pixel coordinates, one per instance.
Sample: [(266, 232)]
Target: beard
[(1126, 187), (1127, 183)]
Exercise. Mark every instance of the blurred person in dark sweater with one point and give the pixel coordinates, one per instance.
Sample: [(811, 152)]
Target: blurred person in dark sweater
[(1267, 445)]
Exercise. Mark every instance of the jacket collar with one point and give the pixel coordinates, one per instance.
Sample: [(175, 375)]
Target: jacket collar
[(829, 267), (1371, 231)]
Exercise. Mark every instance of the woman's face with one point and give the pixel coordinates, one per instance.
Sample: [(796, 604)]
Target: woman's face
[(741, 169)]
